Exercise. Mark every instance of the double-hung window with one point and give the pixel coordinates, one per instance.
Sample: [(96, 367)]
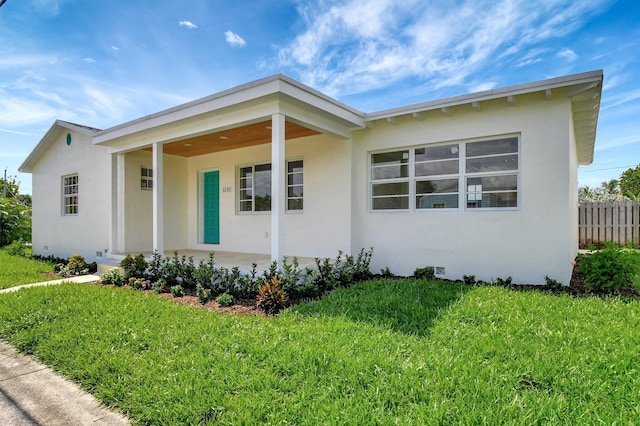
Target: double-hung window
[(295, 185), (390, 180), (436, 177), (472, 175), (70, 195), (491, 172), (254, 187)]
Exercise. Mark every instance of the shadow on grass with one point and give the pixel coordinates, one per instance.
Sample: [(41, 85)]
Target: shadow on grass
[(404, 305)]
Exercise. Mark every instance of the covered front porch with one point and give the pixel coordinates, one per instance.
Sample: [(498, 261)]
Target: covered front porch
[(219, 135)]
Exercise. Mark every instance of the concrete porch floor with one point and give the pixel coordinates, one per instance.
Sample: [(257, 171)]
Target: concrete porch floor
[(225, 259)]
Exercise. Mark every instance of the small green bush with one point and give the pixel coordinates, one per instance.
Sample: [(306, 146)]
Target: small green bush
[(386, 272), (177, 291), (272, 298), (225, 299), (504, 282), (160, 286), (17, 248), (607, 270), (134, 267), (204, 294), (77, 265), (112, 276), (469, 279), (552, 284), (427, 273), (139, 284)]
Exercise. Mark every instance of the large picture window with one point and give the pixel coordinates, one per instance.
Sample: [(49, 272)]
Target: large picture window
[(70, 195), (254, 187), (473, 175)]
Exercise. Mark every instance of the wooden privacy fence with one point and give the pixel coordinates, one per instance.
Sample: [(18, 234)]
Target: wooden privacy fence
[(615, 221)]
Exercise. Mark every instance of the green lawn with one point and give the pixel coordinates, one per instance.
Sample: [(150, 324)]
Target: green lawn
[(635, 258), (381, 352), (16, 270)]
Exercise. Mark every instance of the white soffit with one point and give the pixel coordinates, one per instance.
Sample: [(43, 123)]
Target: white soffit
[(584, 90)]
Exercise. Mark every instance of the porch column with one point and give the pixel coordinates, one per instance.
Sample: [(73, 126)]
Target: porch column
[(158, 202), (277, 187), (116, 213)]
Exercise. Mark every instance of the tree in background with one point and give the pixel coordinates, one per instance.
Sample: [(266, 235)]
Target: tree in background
[(630, 183), (608, 191), (15, 213)]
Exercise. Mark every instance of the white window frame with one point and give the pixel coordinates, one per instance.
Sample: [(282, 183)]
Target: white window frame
[(289, 186), (253, 166), (146, 178), (70, 195), (461, 176)]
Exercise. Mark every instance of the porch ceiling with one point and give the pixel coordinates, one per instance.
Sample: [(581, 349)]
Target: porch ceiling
[(238, 137)]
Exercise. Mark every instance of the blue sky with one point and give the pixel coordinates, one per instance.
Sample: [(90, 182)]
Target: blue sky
[(101, 63)]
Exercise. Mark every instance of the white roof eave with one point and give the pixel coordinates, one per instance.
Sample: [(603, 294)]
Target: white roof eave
[(520, 89), (250, 92)]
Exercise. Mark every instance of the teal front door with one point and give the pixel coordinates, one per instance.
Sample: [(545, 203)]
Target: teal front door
[(211, 207)]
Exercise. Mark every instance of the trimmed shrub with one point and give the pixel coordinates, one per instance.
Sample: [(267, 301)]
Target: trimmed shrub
[(177, 291), (204, 294), (427, 273), (112, 276), (76, 265), (607, 270), (225, 299), (134, 267)]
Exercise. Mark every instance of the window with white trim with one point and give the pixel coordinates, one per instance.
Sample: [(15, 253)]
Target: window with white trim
[(474, 175), (491, 171), (254, 187), (295, 185), (70, 195), (146, 178)]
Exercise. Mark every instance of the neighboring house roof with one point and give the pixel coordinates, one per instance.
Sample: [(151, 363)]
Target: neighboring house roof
[(54, 132)]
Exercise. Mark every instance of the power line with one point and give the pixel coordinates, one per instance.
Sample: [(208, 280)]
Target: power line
[(609, 168)]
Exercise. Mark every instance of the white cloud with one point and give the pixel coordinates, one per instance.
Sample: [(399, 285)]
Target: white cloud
[(89, 60), (356, 45), (190, 25), (115, 48), (18, 111), (567, 54), (234, 39), (9, 60)]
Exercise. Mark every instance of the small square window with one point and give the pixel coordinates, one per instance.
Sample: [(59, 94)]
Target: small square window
[(146, 178)]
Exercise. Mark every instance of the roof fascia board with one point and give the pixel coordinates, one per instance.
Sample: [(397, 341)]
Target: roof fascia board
[(54, 131), (520, 89), (248, 92), (194, 126)]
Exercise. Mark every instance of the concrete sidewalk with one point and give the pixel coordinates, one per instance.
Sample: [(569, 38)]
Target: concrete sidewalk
[(33, 394), (78, 279)]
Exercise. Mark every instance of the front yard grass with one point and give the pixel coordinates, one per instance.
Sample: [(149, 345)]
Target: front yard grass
[(17, 270), (380, 352)]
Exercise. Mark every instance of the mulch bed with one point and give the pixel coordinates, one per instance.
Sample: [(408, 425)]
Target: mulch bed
[(576, 287)]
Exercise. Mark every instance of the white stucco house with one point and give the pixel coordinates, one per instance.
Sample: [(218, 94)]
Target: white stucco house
[(483, 184)]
